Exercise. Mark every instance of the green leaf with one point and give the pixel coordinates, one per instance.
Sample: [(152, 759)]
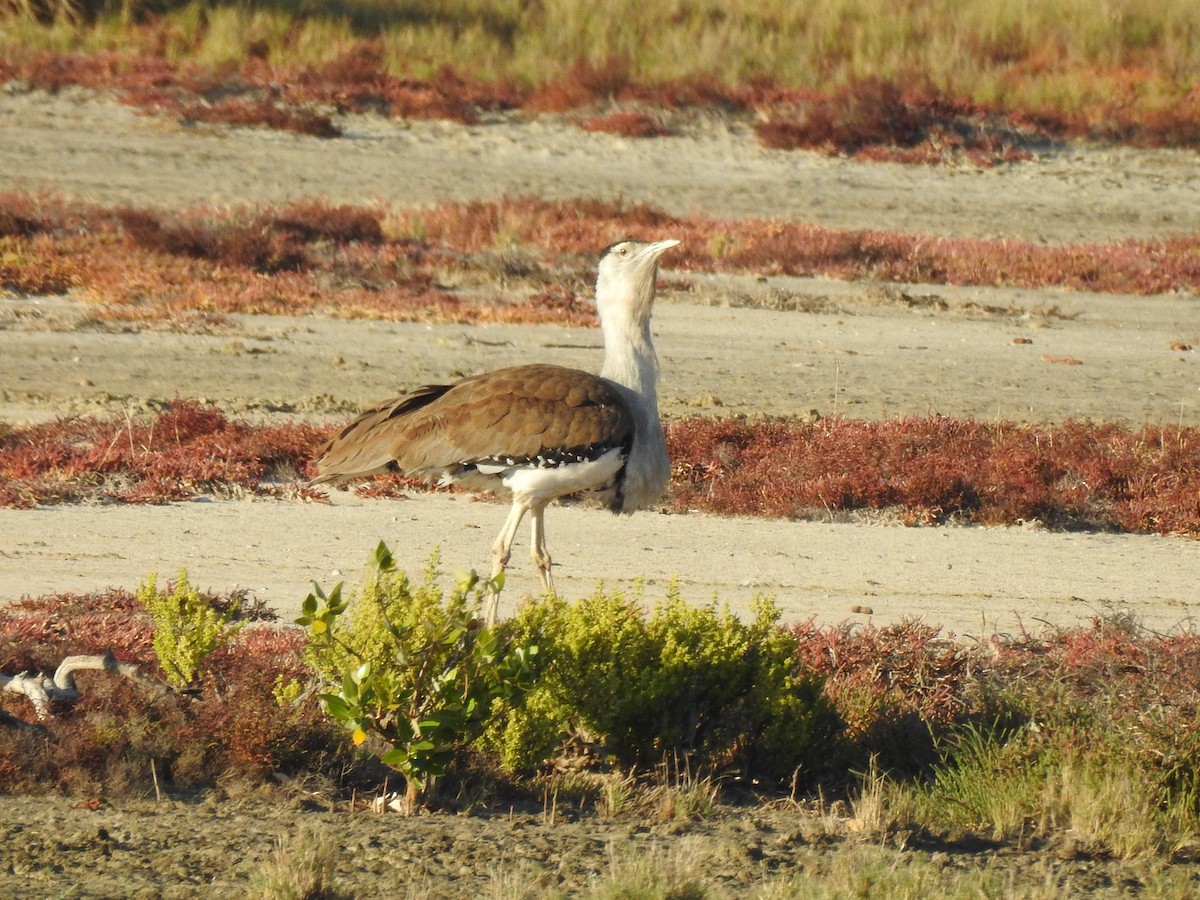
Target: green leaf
[(336, 706), (337, 605), (397, 632), (436, 765), (383, 559), (397, 758), (350, 688)]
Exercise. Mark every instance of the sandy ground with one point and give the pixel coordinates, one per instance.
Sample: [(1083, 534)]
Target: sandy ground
[(972, 580), (71, 142), (866, 351)]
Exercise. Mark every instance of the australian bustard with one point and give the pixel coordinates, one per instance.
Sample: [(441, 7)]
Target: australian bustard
[(537, 432)]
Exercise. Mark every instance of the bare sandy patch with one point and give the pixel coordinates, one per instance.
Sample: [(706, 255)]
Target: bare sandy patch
[(99, 149)]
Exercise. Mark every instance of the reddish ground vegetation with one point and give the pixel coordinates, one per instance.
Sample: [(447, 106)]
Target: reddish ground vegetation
[(35, 630), (185, 451), (905, 119), (894, 688), (364, 261), (879, 120), (771, 247), (930, 470), (630, 123), (357, 81), (31, 629), (244, 111), (910, 668), (900, 693), (1116, 672), (119, 737), (203, 263), (1075, 475), (898, 688), (106, 70)]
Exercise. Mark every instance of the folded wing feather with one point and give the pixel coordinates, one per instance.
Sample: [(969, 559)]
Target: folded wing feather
[(520, 412)]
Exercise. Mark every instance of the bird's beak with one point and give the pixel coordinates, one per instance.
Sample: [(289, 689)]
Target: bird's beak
[(659, 247)]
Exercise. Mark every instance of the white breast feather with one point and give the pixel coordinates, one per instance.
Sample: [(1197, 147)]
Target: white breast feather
[(544, 484)]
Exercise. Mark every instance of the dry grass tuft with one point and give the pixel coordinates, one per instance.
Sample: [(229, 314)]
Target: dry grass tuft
[(301, 868)]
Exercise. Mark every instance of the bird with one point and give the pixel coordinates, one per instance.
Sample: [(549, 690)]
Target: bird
[(535, 432)]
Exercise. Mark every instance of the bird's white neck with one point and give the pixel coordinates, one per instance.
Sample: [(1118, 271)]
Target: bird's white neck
[(630, 363), (630, 360), (624, 299)]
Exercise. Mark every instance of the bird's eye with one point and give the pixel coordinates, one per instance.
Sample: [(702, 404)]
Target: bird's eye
[(624, 251)]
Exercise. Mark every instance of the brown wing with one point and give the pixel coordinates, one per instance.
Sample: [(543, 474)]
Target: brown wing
[(519, 413)]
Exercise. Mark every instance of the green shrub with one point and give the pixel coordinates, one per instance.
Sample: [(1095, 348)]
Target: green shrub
[(693, 682), (187, 627), (411, 666)]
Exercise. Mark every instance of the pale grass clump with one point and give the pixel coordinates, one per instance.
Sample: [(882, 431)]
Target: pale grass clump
[(422, 50), (631, 873), (1109, 805), (523, 880), (616, 796), (1027, 786), (672, 795), (313, 41), (687, 795), (847, 869), (299, 869), (654, 873), (882, 806), (228, 33)]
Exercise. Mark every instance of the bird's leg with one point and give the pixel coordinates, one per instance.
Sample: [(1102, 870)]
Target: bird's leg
[(541, 556), (501, 552)]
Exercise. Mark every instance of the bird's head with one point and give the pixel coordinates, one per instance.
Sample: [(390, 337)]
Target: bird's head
[(625, 278)]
